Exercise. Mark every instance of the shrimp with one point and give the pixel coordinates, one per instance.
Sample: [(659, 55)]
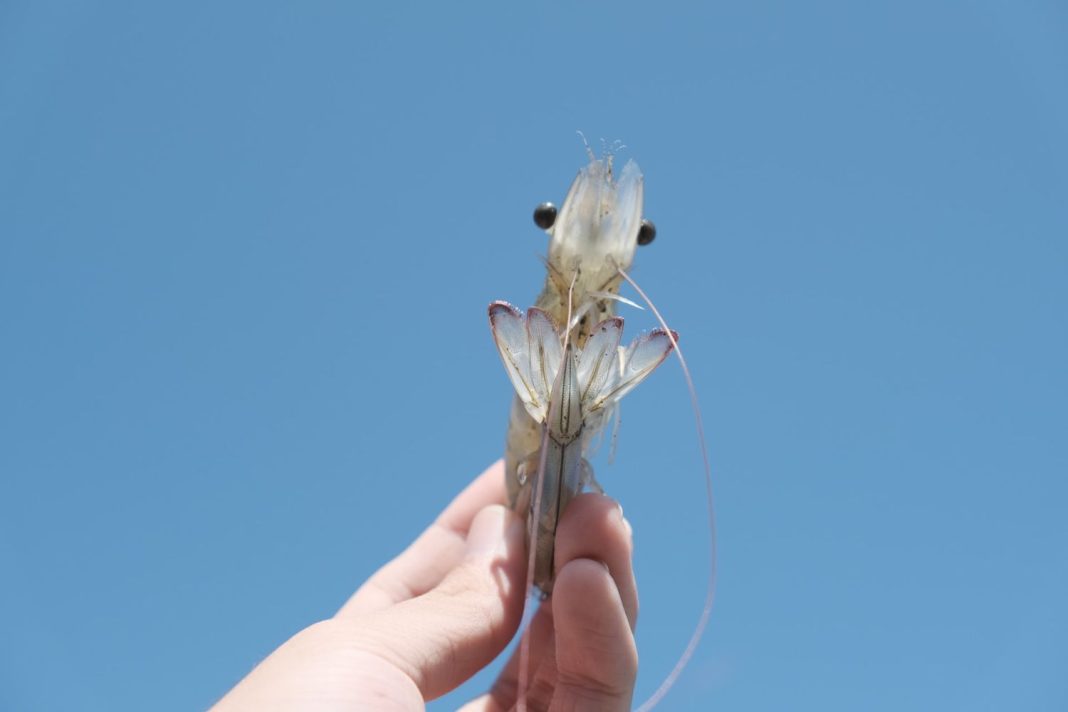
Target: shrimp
[(593, 238), (569, 372)]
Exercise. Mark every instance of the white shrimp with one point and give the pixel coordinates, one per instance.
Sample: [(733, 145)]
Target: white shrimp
[(569, 379), (591, 240)]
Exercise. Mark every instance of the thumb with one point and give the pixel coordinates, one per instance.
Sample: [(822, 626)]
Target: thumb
[(448, 634)]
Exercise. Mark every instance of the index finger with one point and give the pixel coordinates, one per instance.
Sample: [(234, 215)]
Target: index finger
[(424, 564)]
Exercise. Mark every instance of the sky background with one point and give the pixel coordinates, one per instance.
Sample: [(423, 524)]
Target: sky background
[(246, 250)]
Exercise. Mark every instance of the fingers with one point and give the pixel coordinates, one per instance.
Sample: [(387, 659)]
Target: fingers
[(502, 696), (595, 606), (415, 650), (437, 550), (582, 646), (444, 636), (596, 658), (541, 666), (593, 527)]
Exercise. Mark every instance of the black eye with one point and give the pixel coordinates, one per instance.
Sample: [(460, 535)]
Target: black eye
[(545, 215), (647, 232)]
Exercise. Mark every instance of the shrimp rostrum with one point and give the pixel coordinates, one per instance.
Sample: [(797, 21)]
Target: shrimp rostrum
[(564, 356)]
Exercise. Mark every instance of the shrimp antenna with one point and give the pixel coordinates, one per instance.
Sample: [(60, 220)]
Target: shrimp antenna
[(710, 594), (589, 151), (539, 490), (524, 643), (611, 148)]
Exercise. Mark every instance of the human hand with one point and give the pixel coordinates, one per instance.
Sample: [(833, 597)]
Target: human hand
[(451, 602)]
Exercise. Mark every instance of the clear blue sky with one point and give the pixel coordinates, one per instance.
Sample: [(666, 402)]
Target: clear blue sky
[(245, 255)]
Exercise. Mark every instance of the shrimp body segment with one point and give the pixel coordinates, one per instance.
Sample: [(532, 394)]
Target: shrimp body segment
[(567, 391)]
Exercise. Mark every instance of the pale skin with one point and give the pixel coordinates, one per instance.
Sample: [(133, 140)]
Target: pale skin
[(451, 602)]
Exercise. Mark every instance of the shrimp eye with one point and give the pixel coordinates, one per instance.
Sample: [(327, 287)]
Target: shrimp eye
[(545, 215), (647, 232)]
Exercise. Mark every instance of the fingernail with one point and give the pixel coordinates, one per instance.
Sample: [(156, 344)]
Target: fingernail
[(623, 519)]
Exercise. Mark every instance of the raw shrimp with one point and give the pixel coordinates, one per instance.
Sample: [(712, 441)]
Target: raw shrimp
[(569, 372), (591, 240)]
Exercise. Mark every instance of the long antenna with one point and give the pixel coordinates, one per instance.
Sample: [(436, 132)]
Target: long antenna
[(524, 643), (710, 594)]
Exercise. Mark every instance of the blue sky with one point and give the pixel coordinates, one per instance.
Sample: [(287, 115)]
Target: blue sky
[(245, 255)]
